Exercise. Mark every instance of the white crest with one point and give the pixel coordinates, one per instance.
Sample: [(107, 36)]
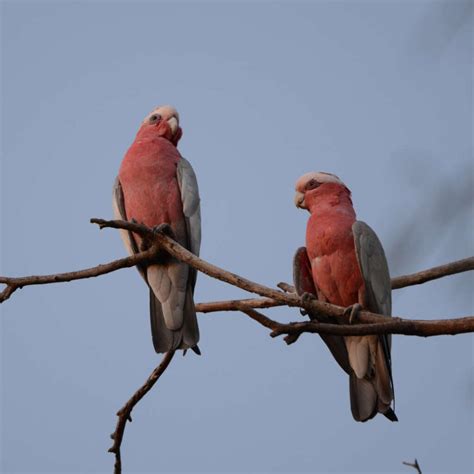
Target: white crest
[(319, 176)]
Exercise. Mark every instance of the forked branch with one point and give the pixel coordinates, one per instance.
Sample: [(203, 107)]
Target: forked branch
[(372, 323), (367, 323), (124, 414)]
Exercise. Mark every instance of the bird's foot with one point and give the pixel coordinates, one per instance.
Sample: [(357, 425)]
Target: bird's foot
[(353, 312), (307, 298), (164, 229)]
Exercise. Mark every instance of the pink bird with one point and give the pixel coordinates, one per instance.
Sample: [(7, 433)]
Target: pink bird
[(344, 264), (155, 186)]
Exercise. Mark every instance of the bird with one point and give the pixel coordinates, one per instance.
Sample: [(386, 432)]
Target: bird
[(344, 264), (156, 186)]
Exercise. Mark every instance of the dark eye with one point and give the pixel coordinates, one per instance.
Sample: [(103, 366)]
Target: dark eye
[(312, 184), (155, 118)]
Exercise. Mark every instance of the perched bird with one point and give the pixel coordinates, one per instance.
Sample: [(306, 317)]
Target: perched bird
[(155, 186), (344, 264)]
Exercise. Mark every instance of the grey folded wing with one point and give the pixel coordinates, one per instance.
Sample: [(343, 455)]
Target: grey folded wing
[(118, 203), (374, 269), (188, 186)]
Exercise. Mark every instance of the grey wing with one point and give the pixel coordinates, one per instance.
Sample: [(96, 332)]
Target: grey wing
[(374, 269), (118, 203), (168, 330), (191, 209)]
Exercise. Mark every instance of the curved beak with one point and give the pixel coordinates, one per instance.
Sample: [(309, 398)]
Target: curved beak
[(174, 125), (299, 200)]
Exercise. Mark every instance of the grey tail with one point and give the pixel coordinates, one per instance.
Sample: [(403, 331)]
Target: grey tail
[(374, 393), (365, 401), (165, 339), (363, 398), (390, 414)]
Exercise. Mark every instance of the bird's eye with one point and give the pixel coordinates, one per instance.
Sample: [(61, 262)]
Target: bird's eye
[(312, 184), (155, 118)]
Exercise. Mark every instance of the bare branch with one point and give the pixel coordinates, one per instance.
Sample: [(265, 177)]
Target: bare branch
[(14, 283), (124, 414), (158, 241), (458, 266), (434, 273), (415, 465), (374, 323), (406, 327), (236, 305), (286, 287), (396, 325)]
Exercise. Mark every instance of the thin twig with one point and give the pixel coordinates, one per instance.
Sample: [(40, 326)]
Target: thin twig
[(124, 414), (403, 281), (405, 327), (236, 305), (415, 465), (312, 305), (378, 323), (434, 273), (159, 241), (13, 283), (286, 287)]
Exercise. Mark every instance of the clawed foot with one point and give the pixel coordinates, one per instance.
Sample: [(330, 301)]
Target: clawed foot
[(306, 297), (148, 240), (353, 312), (164, 229)]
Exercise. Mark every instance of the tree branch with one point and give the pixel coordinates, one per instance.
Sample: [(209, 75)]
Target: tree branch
[(236, 305), (434, 273), (414, 465), (406, 327), (14, 283), (458, 266), (373, 323), (158, 240), (124, 414)]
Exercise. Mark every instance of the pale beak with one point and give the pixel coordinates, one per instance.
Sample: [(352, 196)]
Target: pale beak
[(299, 200), (173, 123)]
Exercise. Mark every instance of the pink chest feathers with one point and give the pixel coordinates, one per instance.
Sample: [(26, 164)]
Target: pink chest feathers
[(331, 250), (149, 182)]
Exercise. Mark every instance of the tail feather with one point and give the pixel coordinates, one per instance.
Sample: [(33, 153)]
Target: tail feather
[(190, 326), (165, 339), (372, 393), (382, 377), (363, 398)]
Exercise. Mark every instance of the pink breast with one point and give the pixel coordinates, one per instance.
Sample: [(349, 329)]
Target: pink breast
[(149, 183), (334, 264)]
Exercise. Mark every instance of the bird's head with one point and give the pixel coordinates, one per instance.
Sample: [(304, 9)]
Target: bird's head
[(163, 121), (313, 185)]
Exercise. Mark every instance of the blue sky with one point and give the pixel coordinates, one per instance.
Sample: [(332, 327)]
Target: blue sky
[(379, 93)]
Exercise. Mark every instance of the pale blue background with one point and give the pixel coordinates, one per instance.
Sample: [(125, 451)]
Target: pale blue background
[(379, 93)]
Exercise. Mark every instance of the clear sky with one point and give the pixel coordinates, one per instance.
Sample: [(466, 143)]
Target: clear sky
[(379, 93)]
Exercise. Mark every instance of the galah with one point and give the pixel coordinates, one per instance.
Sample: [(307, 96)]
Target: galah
[(155, 186), (344, 264)]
